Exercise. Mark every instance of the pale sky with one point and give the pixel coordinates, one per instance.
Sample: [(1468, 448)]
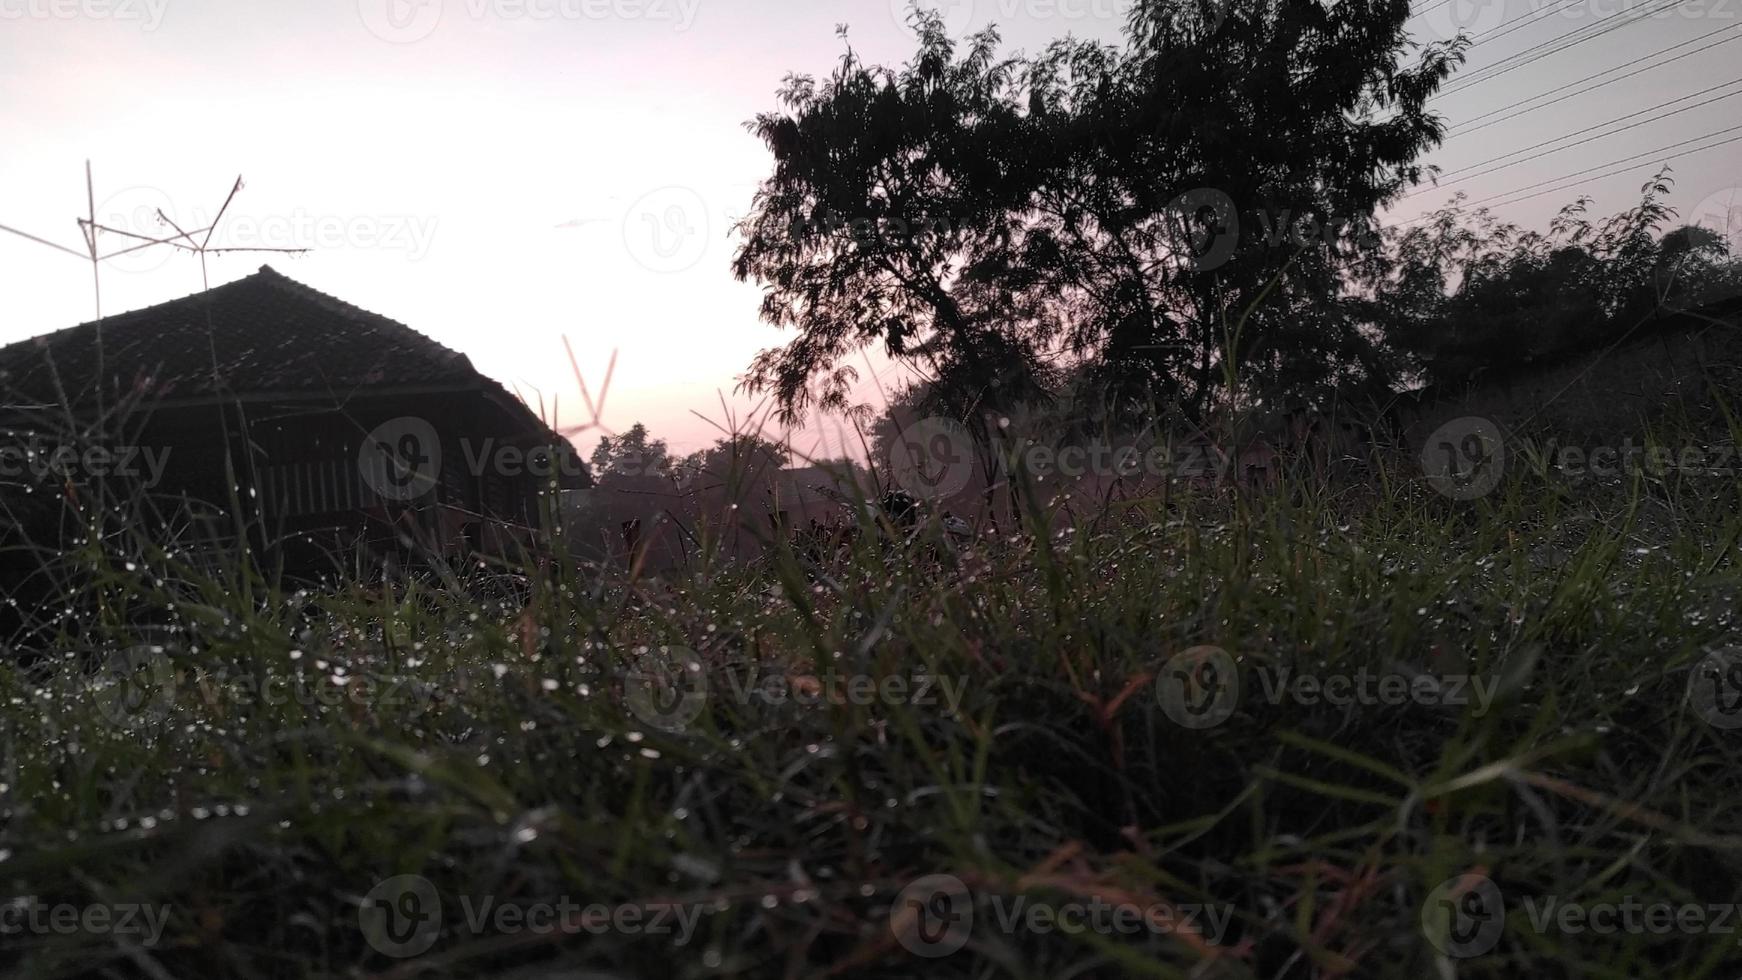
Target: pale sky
[(500, 174)]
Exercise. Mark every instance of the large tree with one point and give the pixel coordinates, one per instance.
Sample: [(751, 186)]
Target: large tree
[(887, 185), (1216, 184), (990, 220)]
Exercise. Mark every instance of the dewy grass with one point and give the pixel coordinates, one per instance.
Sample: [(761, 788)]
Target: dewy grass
[(1462, 739)]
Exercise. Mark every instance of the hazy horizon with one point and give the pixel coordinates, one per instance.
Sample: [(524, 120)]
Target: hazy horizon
[(577, 175)]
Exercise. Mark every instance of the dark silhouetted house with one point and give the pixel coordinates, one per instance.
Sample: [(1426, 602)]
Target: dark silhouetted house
[(267, 411)]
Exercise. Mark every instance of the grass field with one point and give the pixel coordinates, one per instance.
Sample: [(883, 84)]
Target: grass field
[(1307, 733)]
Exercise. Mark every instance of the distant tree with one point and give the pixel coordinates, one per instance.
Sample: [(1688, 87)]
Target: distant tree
[(1465, 294), (737, 463), (632, 454)]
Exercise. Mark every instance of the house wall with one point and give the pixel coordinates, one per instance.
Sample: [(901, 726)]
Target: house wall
[(288, 475)]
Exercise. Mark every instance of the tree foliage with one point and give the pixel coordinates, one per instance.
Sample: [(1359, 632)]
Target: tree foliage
[(1463, 295), (1186, 222), (989, 220)]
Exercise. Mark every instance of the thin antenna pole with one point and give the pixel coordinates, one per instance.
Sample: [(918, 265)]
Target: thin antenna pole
[(183, 240), (96, 287), (91, 239)]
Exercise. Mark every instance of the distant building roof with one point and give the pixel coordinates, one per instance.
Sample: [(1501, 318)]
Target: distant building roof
[(263, 334)]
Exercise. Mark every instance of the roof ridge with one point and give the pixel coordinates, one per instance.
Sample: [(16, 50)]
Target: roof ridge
[(266, 275), (279, 280), (43, 338), (263, 331)]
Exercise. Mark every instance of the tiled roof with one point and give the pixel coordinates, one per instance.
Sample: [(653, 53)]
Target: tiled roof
[(261, 334)]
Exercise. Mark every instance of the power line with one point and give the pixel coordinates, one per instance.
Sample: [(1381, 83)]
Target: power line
[(1604, 26), (1569, 38), (1623, 129), (1611, 163), (1676, 156), (1532, 17), (1431, 9), (1466, 128)]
